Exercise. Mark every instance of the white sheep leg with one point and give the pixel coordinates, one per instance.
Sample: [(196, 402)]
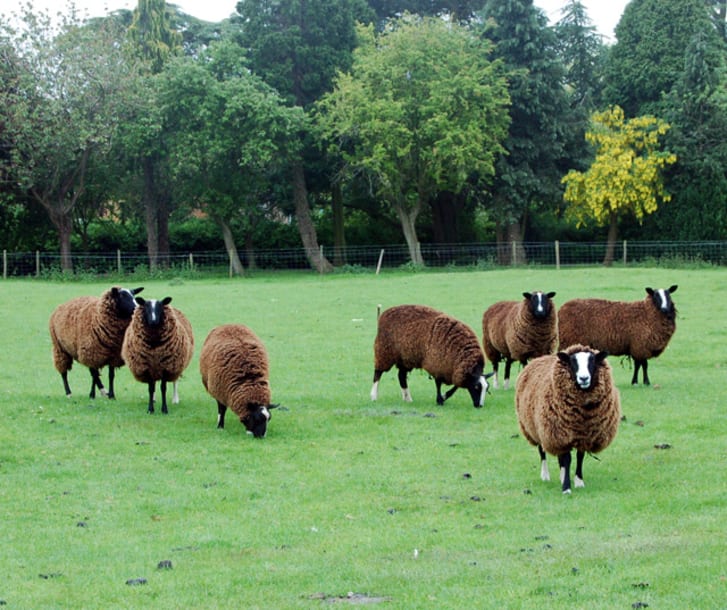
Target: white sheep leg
[(175, 394), (544, 472), (406, 395), (506, 384), (579, 482), (375, 391), (495, 384)]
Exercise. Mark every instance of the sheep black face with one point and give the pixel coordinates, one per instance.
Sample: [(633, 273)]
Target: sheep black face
[(583, 367), (124, 300), (257, 420), (478, 388), (153, 310), (540, 303), (662, 300)]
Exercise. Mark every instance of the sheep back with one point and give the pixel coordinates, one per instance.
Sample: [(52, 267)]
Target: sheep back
[(635, 329), (556, 414), (234, 366)]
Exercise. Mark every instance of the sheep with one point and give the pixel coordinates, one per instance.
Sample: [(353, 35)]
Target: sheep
[(567, 401), (639, 329), (234, 368), (519, 330), (90, 330), (158, 346), (416, 336)]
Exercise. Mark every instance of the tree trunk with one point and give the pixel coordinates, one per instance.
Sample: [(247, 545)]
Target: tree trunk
[(305, 223), (444, 217), (163, 200), (339, 236), (515, 242), (150, 215), (611, 240), (250, 251), (232, 254), (408, 226)]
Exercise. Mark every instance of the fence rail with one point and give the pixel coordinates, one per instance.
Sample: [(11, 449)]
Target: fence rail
[(485, 255)]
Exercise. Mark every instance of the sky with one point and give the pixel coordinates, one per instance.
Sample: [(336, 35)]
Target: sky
[(604, 14)]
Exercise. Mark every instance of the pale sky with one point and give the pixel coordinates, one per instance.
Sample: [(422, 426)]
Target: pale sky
[(604, 14)]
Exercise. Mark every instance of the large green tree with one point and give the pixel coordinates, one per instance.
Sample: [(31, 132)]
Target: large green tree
[(69, 86), (422, 110), (228, 133), (542, 123)]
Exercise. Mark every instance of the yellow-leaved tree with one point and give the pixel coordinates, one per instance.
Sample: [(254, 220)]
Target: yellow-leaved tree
[(625, 176)]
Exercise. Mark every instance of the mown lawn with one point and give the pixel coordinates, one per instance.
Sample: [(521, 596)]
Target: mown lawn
[(402, 505)]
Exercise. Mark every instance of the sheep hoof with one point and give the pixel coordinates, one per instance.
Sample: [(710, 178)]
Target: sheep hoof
[(579, 482), (566, 491), (104, 393)]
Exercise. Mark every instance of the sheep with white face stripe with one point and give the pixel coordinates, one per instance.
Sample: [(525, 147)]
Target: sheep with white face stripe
[(568, 401), (419, 337), (234, 368), (639, 329), (519, 331)]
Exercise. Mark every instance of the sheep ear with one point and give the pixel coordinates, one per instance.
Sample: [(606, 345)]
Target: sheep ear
[(601, 356), (140, 301), (137, 290), (488, 375), (527, 295), (166, 300), (272, 407), (650, 291), (550, 295), (563, 357), (673, 288)]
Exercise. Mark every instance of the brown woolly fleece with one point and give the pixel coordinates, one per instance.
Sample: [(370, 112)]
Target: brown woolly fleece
[(158, 354), (556, 414), (89, 330), (234, 367), (419, 337), (510, 331), (637, 329)]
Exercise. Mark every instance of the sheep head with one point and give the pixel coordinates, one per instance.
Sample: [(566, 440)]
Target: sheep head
[(478, 387), (583, 365), (153, 310), (123, 299), (662, 300), (257, 418), (540, 303)]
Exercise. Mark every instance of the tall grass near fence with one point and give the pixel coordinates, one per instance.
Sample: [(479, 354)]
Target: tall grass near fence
[(402, 505)]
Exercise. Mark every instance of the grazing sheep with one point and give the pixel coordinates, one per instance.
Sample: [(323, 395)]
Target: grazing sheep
[(90, 330), (519, 330), (416, 336), (568, 401), (234, 367), (639, 329), (158, 346)]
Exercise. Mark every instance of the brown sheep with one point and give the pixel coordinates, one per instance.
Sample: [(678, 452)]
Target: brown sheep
[(158, 346), (519, 330), (639, 329), (568, 401), (234, 367), (416, 336), (90, 330)]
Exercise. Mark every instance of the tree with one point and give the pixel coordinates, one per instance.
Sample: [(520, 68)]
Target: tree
[(297, 47), (422, 110), (648, 58), (625, 176), (542, 123), (228, 132), (152, 39), (64, 107)]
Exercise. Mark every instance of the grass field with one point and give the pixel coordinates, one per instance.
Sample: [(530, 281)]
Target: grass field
[(400, 505)]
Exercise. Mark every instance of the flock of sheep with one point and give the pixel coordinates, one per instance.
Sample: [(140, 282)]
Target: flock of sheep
[(565, 398)]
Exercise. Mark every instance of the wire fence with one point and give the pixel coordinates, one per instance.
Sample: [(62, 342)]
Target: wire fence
[(481, 255)]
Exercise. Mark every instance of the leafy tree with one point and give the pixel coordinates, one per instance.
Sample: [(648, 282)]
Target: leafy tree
[(625, 176), (542, 124), (647, 60), (69, 84), (297, 47), (227, 133), (422, 110)]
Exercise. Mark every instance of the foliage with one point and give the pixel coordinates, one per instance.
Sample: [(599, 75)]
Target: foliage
[(422, 110), (342, 491), (625, 176), (151, 35)]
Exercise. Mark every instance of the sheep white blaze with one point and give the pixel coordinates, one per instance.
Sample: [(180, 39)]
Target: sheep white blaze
[(583, 365)]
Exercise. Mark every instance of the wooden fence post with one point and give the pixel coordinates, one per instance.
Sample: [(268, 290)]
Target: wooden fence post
[(37, 263), (557, 254)]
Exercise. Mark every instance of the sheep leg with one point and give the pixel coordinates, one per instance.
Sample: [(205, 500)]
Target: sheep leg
[(448, 393), (579, 469), (163, 385), (643, 364), (508, 366), (175, 393), (495, 366), (112, 374), (152, 387), (96, 383), (375, 388), (564, 461), (66, 387), (544, 473), (221, 410), (405, 394)]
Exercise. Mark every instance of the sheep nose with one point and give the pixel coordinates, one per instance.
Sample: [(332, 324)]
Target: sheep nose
[(584, 380)]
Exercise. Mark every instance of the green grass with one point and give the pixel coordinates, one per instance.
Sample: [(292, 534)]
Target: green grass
[(410, 504)]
